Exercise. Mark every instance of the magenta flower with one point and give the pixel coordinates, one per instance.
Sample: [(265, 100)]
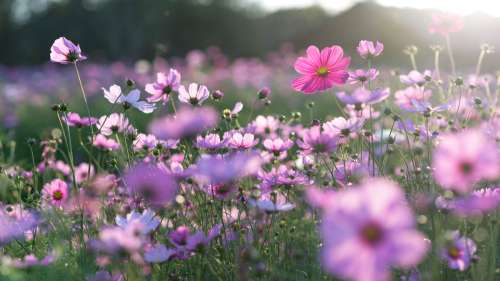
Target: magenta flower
[(321, 70), (104, 143), (74, 120), (55, 192), (461, 160), (444, 24), (164, 85), (152, 184), (368, 49), (362, 76), (64, 51), (362, 96), (195, 95), (369, 229), (187, 122), (459, 251)]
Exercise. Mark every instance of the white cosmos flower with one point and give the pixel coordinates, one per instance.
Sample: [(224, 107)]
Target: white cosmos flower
[(115, 95), (194, 95), (147, 219)]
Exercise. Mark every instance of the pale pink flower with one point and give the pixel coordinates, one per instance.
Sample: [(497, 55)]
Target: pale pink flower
[(444, 23), (240, 141), (102, 142), (64, 51), (369, 229), (164, 85), (461, 160), (368, 49)]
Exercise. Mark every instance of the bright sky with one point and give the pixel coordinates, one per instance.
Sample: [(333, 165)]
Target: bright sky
[(462, 7)]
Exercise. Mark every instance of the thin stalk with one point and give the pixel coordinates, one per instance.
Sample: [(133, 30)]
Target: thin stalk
[(450, 55)]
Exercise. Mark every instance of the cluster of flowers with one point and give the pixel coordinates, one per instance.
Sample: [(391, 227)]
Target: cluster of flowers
[(197, 181)]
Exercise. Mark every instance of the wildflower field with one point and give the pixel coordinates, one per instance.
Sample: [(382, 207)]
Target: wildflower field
[(299, 166)]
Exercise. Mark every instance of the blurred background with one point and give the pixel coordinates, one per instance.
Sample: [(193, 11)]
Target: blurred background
[(131, 29), (237, 46)]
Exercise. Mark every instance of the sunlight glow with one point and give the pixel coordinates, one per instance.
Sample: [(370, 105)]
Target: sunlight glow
[(462, 7)]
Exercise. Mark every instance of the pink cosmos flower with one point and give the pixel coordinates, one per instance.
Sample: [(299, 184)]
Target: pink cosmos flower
[(368, 49), (195, 95), (277, 145), (84, 172), (114, 123), (416, 78), (321, 70), (341, 127), (361, 111), (444, 24), (461, 160), (406, 98), (210, 141), (459, 251), (477, 203), (264, 125), (238, 140), (64, 51), (55, 192), (117, 239), (369, 229), (362, 76), (74, 120), (164, 85), (280, 176), (102, 142), (315, 141), (146, 142)]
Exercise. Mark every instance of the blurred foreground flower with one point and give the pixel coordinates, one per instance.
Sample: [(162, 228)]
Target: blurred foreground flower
[(367, 230)]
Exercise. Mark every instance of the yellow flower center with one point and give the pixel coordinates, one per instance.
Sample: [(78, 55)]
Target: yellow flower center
[(322, 71)]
